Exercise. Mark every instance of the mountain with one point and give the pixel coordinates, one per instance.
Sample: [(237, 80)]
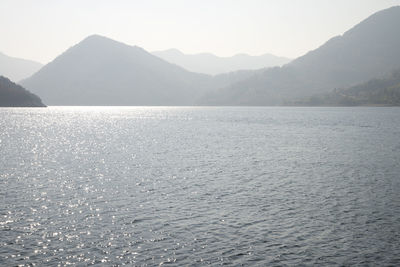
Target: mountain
[(370, 49), (384, 91), (213, 65), (16, 68), (101, 71), (14, 95)]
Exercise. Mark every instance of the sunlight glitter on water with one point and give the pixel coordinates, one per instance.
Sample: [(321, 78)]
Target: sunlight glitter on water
[(187, 186)]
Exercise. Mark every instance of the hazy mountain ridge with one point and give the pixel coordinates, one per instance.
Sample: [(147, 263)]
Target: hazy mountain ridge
[(213, 65), (16, 68), (101, 71), (14, 95), (368, 50)]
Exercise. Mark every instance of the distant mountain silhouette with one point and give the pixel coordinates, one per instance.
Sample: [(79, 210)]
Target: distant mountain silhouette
[(210, 64), (16, 68), (14, 95), (368, 50), (101, 71)]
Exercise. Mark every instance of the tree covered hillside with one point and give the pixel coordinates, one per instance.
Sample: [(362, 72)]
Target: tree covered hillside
[(384, 91), (14, 95)]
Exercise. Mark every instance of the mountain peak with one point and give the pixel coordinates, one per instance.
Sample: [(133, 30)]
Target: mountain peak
[(102, 71), (97, 38), (95, 45)]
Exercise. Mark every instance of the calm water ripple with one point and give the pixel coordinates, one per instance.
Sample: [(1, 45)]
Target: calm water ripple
[(200, 186)]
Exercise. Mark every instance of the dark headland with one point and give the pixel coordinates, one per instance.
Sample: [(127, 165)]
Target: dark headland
[(14, 95)]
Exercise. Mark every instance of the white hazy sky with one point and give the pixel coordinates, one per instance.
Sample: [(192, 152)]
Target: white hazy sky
[(42, 29)]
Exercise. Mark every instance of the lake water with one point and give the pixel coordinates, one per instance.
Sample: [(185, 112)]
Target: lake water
[(200, 186)]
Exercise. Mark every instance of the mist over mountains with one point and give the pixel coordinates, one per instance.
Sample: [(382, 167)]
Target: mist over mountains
[(370, 49), (211, 64), (101, 71), (16, 68)]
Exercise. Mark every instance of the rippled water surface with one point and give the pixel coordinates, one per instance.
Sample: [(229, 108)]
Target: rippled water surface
[(199, 186)]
